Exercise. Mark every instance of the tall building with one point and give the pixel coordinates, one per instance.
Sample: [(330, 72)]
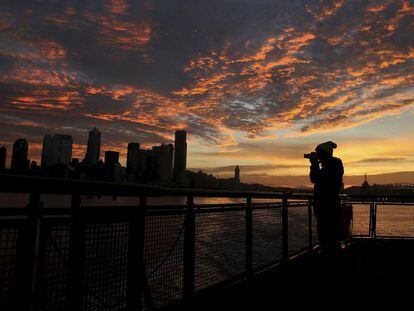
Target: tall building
[(133, 162), (62, 149), (19, 161), (56, 149), (145, 165), (47, 150), (180, 156), (163, 163), (3, 157), (112, 165), (237, 174), (93, 151)]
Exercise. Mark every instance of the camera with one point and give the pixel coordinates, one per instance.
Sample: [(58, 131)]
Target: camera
[(309, 155)]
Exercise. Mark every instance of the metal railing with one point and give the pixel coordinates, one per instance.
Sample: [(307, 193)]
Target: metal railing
[(146, 257)]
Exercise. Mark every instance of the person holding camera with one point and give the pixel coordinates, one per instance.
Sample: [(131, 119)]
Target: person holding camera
[(326, 173)]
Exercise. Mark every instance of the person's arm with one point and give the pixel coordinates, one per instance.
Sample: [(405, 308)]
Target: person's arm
[(314, 170)]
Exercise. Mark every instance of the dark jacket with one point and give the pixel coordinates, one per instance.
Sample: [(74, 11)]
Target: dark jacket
[(327, 182)]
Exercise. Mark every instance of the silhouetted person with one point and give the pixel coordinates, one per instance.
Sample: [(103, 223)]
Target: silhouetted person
[(326, 174)]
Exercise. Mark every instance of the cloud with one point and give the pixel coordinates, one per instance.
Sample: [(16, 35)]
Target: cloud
[(220, 69), (381, 160)]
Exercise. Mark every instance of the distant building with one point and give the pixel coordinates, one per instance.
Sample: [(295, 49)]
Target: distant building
[(133, 162), (47, 150), (62, 149), (237, 175), (145, 166), (111, 157), (20, 162), (162, 161), (34, 168), (3, 158), (93, 151), (56, 149), (112, 166), (180, 157)]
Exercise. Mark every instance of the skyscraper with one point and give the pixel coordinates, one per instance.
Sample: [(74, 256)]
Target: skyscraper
[(112, 164), (19, 161), (56, 149), (94, 148), (133, 162), (47, 148), (62, 149), (3, 157), (163, 163), (180, 156)]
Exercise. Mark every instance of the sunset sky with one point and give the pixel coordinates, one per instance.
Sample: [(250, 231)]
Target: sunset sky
[(254, 82)]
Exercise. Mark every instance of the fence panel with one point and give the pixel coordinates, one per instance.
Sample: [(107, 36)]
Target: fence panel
[(163, 257), (298, 228), (9, 234), (361, 219), (106, 266), (220, 247), (53, 264), (395, 220), (267, 236)]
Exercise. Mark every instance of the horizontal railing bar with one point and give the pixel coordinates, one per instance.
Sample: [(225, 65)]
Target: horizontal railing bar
[(127, 210), (395, 203), (396, 237)]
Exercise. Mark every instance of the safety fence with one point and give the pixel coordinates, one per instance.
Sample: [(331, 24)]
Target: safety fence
[(149, 257)]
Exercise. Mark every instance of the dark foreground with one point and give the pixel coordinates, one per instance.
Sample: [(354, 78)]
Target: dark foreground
[(368, 271)]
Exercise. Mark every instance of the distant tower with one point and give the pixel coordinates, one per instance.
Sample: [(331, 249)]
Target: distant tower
[(133, 162), (180, 156), (47, 150), (237, 174), (94, 148), (19, 161), (3, 157), (365, 184)]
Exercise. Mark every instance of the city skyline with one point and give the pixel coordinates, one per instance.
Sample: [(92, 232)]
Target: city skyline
[(164, 164), (257, 83)]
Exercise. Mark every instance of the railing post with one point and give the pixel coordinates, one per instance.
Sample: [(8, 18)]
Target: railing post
[(373, 219), (26, 256), (76, 285), (310, 224), (249, 237), (136, 266), (285, 229), (189, 250)]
